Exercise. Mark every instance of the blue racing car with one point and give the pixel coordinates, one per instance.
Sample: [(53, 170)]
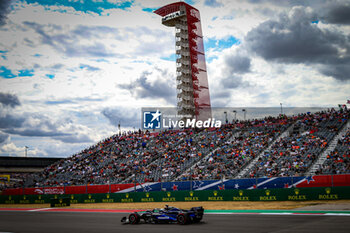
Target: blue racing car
[(167, 215)]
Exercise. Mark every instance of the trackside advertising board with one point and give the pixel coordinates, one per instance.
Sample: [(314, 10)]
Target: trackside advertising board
[(286, 194)]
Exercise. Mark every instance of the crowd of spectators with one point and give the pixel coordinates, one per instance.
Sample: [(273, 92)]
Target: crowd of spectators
[(110, 161), (338, 161), (16, 179), (202, 154), (293, 155), (229, 159), (177, 161)]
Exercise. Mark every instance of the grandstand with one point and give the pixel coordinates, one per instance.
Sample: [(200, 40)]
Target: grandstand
[(293, 155), (338, 160), (270, 147), (14, 170)]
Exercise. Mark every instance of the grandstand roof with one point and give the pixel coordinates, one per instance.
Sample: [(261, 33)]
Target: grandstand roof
[(24, 164)]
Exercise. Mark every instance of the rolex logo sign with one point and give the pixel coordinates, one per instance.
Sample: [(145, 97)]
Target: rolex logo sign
[(191, 197), (296, 191), (24, 200), (9, 201), (215, 197), (39, 201), (90, 199), (297, 196), (328, 195), (168, 197), (268, 196), (147, 198), (127, 198), (108, 199), (240, 196), (60, 202), (73, 201)]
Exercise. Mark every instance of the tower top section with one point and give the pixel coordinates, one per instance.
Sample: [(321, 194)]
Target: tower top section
[(173, 8), (175, 11)]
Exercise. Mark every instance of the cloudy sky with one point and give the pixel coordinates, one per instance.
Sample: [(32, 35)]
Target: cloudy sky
[(71, 70)]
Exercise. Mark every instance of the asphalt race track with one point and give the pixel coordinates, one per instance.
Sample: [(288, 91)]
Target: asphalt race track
[(37, 222), (76, 222)]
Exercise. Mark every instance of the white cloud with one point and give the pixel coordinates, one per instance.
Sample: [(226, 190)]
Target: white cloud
[(10, 149), (94, 57)]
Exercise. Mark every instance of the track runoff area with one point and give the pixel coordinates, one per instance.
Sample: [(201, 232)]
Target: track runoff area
[(38, 220)]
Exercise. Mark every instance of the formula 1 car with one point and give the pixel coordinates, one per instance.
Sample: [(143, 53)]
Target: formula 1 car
[(167, 215)]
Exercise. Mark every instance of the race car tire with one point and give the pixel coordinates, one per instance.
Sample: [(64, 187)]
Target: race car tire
[(182, 219), (134, 218)]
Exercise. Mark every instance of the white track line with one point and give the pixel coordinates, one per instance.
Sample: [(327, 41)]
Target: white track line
[(42, 209), (336, 214)]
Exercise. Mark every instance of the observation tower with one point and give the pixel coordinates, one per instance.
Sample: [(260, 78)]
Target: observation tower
[(193, 96)]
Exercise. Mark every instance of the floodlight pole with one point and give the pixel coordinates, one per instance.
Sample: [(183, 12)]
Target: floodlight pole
[(26, 151), (161, 174), (235, 112), (191, 178), (281, 109), (135, 182), (244, 112)]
